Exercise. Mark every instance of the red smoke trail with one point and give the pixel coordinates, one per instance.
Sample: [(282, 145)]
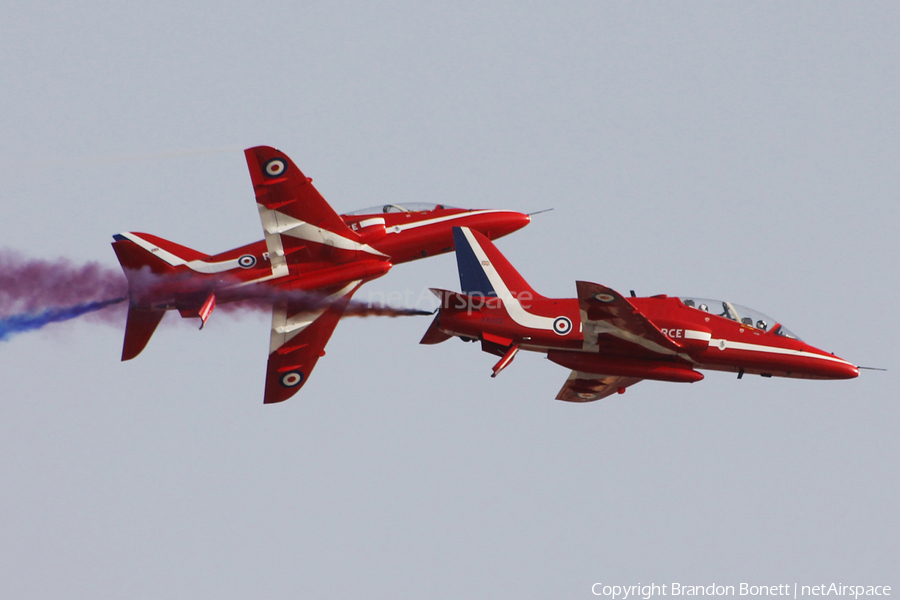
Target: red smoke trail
[(263, 297), (31, 286), (35, 293), (361, 309)]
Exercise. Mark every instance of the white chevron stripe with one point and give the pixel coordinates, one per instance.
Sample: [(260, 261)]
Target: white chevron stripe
[(512, 305)]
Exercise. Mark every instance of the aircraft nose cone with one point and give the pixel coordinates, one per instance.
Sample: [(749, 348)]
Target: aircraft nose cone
[(826, 365), (494, 223), (839, 369), (508, 222), (848, 371)]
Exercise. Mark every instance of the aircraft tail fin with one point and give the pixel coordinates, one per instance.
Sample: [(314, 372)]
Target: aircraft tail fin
[(145, 259), (483, 270), (142, 251)]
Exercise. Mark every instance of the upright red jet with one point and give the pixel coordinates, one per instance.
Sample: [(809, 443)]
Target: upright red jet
[(309, 265), (611, 342)]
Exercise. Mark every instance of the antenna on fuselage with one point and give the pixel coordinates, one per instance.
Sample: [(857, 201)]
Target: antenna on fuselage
[(539, 212), (871, 368)]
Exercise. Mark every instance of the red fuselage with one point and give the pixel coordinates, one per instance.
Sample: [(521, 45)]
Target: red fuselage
[(188, 276), (705, 340), (306, 269)]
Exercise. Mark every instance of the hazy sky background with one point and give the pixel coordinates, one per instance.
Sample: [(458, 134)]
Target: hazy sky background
[(744, 151)]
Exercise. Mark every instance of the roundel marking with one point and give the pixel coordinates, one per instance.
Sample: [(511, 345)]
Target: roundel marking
[(605, 297), (562, 325), (247, 261), (275, 167), (292, 379)]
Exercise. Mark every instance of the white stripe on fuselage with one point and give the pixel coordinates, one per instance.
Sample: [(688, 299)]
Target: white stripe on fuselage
[(691, 334), (413, 225), (732, 345), (369, 222)]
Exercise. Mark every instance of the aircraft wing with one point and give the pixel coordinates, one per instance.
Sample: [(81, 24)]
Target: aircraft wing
[(300, 330), (613, 325), (587, 387), (299, 225)]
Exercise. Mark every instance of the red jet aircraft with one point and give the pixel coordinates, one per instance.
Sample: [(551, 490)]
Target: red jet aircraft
[(309, 265), (611, 342)]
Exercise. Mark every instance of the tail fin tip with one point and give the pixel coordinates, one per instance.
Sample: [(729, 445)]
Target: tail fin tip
[(483, 270)]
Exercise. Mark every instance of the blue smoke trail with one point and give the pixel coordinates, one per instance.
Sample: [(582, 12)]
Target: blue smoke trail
[(21, 323)]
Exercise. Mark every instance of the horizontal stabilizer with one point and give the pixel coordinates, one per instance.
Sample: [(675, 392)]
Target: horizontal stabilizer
[(434, 335), (139, 328), (454, 301)]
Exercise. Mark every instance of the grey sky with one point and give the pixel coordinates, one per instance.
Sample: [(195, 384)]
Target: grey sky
[(745, 151)]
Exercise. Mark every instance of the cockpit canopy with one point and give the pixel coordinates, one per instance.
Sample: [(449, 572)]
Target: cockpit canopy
[(741, 314), (398, 208)]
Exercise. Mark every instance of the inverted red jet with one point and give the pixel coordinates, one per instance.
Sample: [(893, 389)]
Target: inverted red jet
[(308, 266), (609, 341)]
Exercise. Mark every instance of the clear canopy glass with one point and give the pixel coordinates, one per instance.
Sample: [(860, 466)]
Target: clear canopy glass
[(743, 315), (398, 208)]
